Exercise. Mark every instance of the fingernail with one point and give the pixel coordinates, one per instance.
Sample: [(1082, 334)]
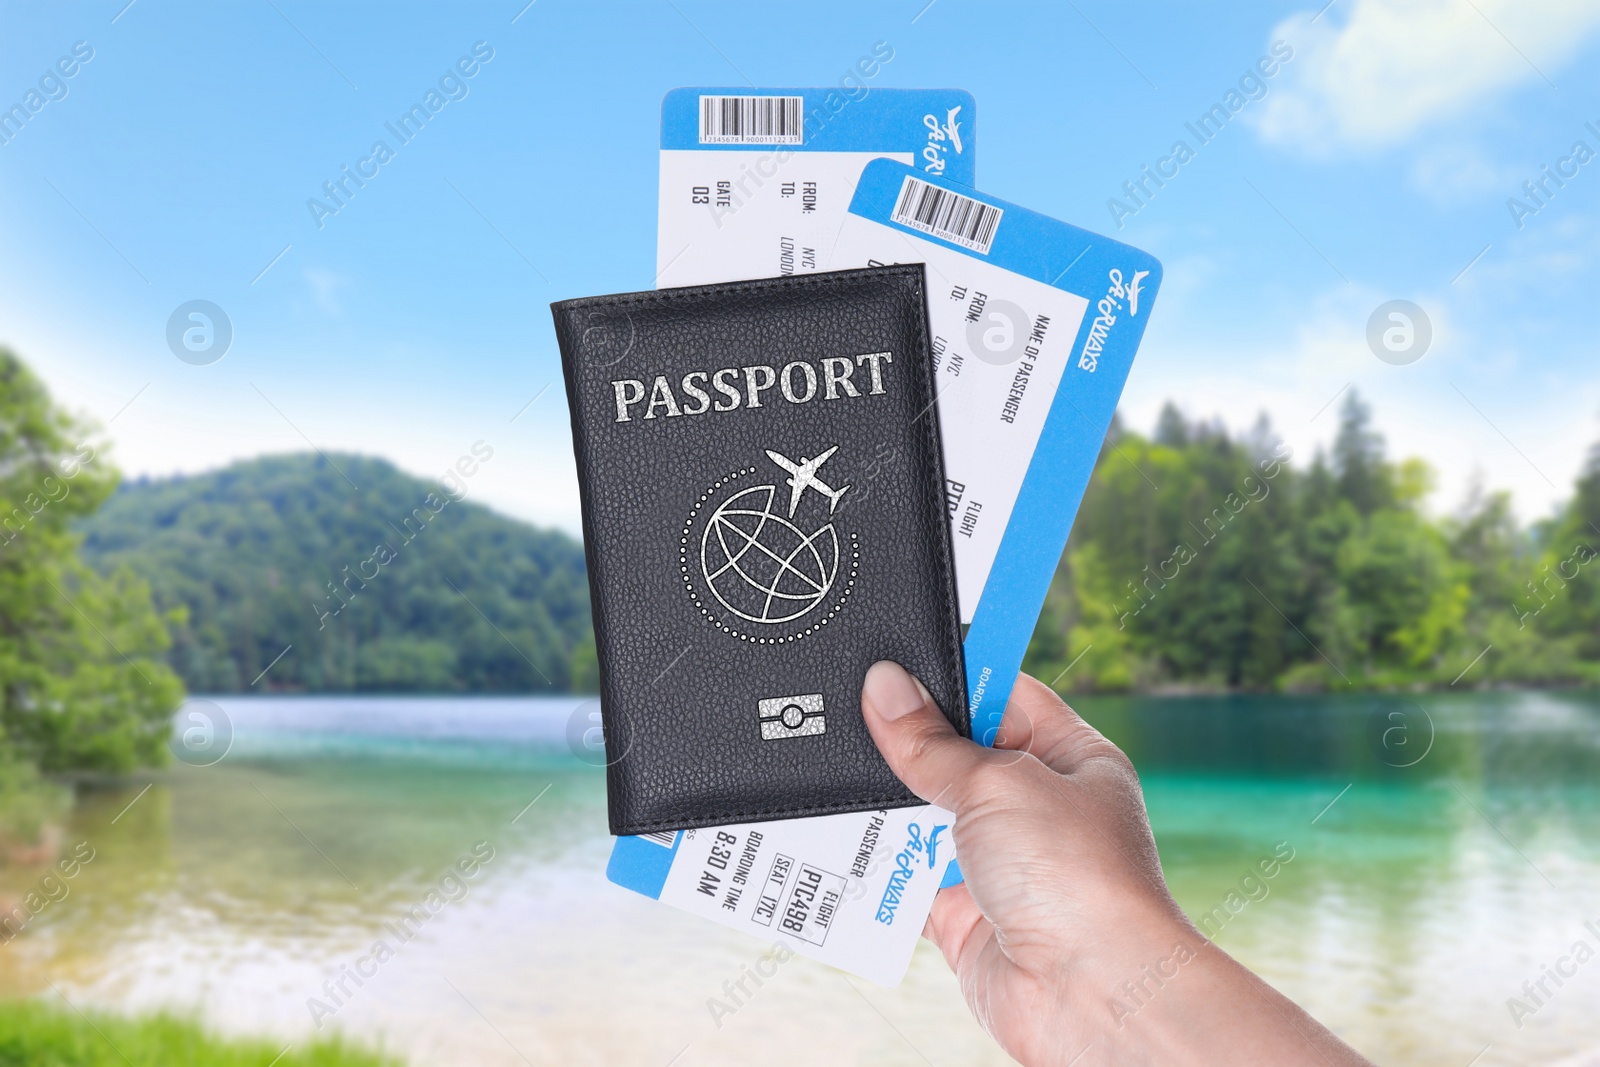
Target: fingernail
[(892, 692)]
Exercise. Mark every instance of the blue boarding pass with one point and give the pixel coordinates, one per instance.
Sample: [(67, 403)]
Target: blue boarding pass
[(755, 182), (1035, 324), (854, 890)]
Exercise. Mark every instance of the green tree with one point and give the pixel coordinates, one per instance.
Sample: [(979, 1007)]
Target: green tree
[(1559, 594), (1402, 587), (1363, 477), (82, 684), (1203, 560)]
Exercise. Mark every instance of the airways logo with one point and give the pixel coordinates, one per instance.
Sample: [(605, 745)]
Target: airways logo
[(1109, 307), (906, 862)]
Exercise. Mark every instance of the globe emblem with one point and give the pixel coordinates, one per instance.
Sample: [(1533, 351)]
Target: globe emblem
[(760, 565)]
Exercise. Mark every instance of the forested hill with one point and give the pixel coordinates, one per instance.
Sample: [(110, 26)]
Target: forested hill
[(378, 580)]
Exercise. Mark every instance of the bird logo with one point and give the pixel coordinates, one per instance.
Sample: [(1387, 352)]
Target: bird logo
[(952, 128), (933, 844), (1133, 291)]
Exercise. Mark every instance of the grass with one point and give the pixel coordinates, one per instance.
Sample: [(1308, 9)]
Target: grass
[(33, 1034)]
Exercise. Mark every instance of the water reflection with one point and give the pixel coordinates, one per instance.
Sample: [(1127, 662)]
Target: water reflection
[(1493, 737), (1419, 896)]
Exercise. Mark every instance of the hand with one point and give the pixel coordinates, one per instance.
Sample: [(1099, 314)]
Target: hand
[(1066, 943)]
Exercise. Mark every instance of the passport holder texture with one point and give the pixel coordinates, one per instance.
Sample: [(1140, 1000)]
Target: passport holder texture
[(764, 518)]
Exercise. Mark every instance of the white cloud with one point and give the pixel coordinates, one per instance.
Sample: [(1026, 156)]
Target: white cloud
[(1455, 174), (1470, 406), (1396, 66)]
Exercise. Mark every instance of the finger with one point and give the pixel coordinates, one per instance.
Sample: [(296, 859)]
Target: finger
[(916, 740), (951, 922), (1039, 722)]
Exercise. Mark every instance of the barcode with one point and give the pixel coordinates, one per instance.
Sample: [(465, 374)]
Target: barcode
[(664, 838), (752, 119), (956, 218)]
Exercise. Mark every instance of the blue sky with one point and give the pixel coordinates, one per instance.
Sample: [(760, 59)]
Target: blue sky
[(1377, 163)]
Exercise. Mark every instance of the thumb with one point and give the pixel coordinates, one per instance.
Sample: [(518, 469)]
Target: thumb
[(917, 741)]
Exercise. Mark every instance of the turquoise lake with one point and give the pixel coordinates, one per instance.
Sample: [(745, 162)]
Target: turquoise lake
[(1446, 849)]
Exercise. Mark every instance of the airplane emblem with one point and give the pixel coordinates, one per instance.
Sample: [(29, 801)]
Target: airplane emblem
[(952, 128), (933, 845), (803, 476), (1133, 291)]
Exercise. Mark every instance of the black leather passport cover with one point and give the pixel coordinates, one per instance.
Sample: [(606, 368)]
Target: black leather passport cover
[(764, 518)]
